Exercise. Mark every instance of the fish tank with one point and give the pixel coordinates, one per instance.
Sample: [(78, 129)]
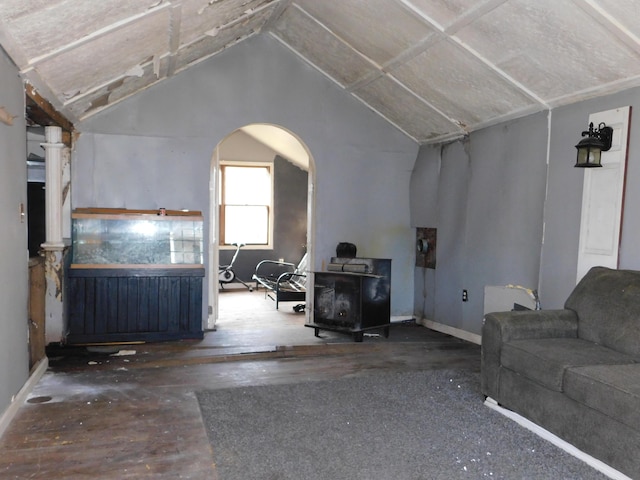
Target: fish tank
[(103, 238)]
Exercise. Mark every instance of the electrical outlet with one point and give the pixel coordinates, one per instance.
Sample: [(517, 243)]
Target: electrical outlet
[(465, 295)]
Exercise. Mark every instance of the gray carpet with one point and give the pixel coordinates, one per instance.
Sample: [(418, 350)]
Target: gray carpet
[(414, 426)]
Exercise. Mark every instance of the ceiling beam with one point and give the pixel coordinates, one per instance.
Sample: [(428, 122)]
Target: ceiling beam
[(40, 110), (275, 16), (174, 37), (612, 25)]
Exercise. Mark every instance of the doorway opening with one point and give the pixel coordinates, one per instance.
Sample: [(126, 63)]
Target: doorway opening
[(278, 223)]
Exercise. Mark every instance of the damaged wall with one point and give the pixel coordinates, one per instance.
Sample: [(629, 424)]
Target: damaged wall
[(492, 211), (14, 360), (155, 150), (485, 195)]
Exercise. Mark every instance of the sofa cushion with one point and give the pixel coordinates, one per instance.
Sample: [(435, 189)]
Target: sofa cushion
[(545, 360), (607, 302), (611, 390)]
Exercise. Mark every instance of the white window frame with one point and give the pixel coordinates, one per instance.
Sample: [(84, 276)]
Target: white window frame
[(236, 163)]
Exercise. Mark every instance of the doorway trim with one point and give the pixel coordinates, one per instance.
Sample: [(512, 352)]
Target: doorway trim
[(214, 228)]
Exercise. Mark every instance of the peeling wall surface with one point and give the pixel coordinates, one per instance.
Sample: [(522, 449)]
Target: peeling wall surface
[(155, 150), (14, 360)]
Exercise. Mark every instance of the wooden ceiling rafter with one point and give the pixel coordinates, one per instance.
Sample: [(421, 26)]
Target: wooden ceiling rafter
[(41, 112)]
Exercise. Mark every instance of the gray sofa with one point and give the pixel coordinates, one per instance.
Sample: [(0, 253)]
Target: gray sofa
[(575, 371)]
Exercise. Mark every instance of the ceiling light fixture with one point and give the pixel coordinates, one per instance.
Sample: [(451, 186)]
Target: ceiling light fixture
[(590, 148)]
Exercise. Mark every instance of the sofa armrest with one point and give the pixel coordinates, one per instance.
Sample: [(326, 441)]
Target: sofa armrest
[(501, 327)]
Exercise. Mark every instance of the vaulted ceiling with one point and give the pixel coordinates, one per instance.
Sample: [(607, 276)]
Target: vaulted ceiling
[(437, 69)]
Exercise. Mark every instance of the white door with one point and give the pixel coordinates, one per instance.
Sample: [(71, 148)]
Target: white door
[(602, 197)]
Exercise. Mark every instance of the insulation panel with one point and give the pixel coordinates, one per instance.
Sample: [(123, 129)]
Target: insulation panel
[(460, 85), (550, 47), (434, 68), (202, 16), (119, 53), (401, 107), (379, 29), (327, 52)]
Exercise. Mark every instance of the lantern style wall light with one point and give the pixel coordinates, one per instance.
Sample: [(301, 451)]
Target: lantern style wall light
[(590, 148)]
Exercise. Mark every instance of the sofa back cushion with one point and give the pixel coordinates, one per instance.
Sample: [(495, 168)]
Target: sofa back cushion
[(607, 302)]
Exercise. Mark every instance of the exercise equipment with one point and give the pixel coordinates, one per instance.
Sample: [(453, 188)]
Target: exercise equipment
[(226, 273)]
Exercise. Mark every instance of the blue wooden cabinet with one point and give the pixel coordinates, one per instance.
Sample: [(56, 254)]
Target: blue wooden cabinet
[(134, 276), (132, 305)]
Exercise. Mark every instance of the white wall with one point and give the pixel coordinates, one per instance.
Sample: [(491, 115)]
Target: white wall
[(155, 149), (14, 360)]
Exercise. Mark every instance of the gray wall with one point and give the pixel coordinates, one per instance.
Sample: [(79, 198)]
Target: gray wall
[(14, 360), (485, 195), (492, 196), (562, 218), (290, 204), (155, 149)]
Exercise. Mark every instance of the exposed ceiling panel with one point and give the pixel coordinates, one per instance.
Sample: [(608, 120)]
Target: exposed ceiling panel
[(327, 52), (218, 39), (379, 29), (34, 30), (626, 12), (447, 13), (405, 109), (544, 45), (208, 17), (480, 91), (118, 89), (122, 50), (436, 69)]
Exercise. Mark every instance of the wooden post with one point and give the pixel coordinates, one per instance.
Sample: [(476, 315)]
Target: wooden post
[(53, 203), (36, 311)]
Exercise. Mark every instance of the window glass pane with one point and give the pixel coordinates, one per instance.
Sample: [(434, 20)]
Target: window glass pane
[(246, 224), (247, 186)]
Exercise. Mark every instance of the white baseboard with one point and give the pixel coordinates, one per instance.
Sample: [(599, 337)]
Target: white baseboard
[(22, 395), (401, 318), (557, 441), (454, 332)]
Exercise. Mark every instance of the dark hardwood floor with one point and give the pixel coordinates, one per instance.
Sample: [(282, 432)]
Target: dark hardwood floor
[(129, 411)]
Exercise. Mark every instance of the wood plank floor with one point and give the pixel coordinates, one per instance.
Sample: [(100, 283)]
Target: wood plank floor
[(130, 412)]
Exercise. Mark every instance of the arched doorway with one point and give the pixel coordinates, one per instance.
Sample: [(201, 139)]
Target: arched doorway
[(258, 144)]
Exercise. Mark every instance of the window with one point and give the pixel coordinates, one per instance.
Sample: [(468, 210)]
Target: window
[(246, 203)]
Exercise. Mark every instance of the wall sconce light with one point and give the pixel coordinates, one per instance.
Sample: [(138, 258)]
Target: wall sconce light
[(590, 148)]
